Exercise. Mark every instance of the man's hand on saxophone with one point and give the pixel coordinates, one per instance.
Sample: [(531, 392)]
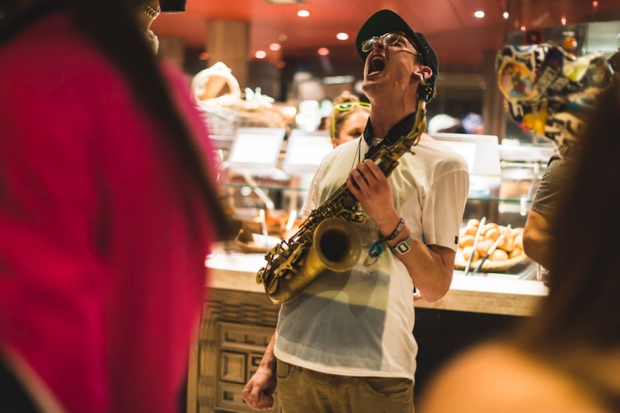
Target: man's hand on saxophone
[(430, 266)]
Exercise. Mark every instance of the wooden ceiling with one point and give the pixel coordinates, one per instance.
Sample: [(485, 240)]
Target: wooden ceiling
[(450, 25)]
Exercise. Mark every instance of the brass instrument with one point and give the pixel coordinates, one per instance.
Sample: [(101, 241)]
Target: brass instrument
[(327, 238)]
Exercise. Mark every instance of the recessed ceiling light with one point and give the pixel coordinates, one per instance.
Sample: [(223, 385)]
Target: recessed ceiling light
[(275, 46), (479, 14), (342, 36), (505, 15), (303, 13), (323, 51), (260, 54)]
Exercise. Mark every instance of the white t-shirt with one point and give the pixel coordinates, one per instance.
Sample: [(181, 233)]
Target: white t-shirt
[(360, 322)]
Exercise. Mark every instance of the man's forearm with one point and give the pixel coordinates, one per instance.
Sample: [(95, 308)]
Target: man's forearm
[(269, 358), (537, 238), (431, 268)]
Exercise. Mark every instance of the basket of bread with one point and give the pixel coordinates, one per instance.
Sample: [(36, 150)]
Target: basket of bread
[(497, 247)]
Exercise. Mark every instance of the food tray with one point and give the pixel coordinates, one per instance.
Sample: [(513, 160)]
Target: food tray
[(489, 266)]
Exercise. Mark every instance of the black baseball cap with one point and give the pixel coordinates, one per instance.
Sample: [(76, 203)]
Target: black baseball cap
[(386, 21), (172, 6)]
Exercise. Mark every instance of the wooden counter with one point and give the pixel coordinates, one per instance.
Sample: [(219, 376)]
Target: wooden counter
[(491, 294), (238, 320)]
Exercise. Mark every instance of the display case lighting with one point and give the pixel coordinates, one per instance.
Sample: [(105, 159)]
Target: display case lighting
[(336, 80)]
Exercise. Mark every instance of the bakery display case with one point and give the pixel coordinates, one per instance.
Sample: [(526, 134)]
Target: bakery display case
[(265, 202), (266, 197)]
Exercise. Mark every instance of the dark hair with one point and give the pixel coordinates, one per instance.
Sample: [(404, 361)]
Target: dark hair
[(111, 27), (583, 303)]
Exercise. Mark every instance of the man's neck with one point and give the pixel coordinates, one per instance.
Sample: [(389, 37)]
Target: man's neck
[(385, 116)]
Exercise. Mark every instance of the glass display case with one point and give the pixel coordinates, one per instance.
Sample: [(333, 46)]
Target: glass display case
[(265, 202)]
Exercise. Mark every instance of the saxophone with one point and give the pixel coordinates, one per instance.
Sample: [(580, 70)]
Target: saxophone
[(327, 238)]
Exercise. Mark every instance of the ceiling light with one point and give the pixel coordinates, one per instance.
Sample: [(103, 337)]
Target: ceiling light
[(282, 37), (342, 36), (563, 21), (595, 3), (275, 47), (522, 28), (479, 14), (260, 54), (303, 13), (505, 15), (323, 51)]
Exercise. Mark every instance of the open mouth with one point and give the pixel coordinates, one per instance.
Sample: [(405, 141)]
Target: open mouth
[(376, 65)]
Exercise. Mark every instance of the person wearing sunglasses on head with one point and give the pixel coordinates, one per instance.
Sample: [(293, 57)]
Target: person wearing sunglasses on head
[(348, 118), (344, 344)]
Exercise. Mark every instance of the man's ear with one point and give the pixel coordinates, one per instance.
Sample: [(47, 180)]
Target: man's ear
[(426, 71)]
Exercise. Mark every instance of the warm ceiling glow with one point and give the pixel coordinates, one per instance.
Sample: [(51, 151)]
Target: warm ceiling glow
[(342, 36), (479, 14), (275, 47), (595, 3), (522, 28), (505, 15), (303, 13), (323, 51), (563, 21), (260, 54), (282, 37)]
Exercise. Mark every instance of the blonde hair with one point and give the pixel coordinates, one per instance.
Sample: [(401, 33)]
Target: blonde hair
[(338, 117)]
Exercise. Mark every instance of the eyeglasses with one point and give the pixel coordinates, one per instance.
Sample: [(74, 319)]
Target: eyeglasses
[(345, 107), (389, 38)]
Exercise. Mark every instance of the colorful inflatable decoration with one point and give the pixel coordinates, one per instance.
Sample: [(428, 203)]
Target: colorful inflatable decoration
[(549, 91)]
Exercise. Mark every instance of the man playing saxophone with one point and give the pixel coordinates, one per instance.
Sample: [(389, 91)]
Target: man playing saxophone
[(345, 343)]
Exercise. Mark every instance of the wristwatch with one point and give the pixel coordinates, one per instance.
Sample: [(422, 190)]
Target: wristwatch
[(403, 247)]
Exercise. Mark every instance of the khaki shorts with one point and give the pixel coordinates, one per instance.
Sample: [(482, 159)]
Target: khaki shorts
[(303, 391)]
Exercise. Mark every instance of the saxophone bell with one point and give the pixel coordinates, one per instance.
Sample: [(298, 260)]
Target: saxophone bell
[(336, 246)]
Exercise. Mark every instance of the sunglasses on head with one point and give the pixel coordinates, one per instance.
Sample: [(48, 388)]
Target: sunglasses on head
[(343, 107)]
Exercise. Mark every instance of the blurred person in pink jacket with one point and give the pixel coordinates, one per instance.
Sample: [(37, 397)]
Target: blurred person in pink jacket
[(108, 207)]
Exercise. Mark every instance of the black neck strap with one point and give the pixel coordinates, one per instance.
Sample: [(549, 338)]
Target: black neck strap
[(401, 129)]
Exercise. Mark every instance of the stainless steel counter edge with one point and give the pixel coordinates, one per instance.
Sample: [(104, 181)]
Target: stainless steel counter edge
[(478, 294)]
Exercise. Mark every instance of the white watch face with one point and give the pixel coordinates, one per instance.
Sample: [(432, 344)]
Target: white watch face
[(403, 246)]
